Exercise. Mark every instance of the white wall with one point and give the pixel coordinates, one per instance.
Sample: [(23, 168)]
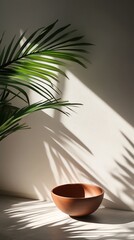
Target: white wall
[(95, 144)]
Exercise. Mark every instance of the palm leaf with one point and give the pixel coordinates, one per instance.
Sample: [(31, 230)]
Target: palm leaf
[(7, 53), (32, 45), (22, 59), (35, 66), (16, 46), (13, 121), (7, 91)]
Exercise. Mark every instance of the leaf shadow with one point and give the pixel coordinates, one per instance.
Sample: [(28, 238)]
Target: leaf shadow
[(108, 216)]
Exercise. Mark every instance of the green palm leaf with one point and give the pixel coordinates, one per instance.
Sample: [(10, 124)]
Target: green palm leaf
[(35, 65), (11, 121)]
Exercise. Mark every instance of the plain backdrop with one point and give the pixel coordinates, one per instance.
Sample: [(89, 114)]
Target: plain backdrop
[(95, 144)]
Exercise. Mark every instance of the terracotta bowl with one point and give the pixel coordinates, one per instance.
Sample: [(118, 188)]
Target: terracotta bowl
[(77, 199)]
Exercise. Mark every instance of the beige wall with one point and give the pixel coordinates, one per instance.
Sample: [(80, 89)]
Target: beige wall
[(95, 144)]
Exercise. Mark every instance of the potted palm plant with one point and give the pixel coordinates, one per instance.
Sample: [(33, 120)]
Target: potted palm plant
[(34, 65)]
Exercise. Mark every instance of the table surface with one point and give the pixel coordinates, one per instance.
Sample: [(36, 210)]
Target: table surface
[(23, 219)]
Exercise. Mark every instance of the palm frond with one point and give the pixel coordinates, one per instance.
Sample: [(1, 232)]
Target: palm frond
[(35, 65), (37, 54), (14, 115)]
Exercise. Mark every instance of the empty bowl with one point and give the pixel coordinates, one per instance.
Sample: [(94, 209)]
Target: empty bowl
[(77, 199)]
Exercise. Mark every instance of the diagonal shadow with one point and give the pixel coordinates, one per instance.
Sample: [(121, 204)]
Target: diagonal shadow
[(25, 219), (126, 176), (57, 143), (128, 139), (57, 152)]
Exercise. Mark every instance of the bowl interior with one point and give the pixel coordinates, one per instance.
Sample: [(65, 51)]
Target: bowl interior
[(77, 190)]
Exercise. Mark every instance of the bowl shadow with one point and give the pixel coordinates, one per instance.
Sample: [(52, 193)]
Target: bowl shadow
[(108, 216)]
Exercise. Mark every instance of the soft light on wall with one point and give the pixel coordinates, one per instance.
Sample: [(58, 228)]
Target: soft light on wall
[(95, 144)]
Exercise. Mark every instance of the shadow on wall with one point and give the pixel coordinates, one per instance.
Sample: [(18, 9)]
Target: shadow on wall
[(61, 161), (125, 179), (111, 26), (56, 156), (53, 157), (127, 176)]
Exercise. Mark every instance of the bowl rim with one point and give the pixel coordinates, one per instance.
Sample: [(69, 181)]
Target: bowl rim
[(92, 185)]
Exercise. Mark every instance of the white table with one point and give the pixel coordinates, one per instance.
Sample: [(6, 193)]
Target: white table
[(23, 219)]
